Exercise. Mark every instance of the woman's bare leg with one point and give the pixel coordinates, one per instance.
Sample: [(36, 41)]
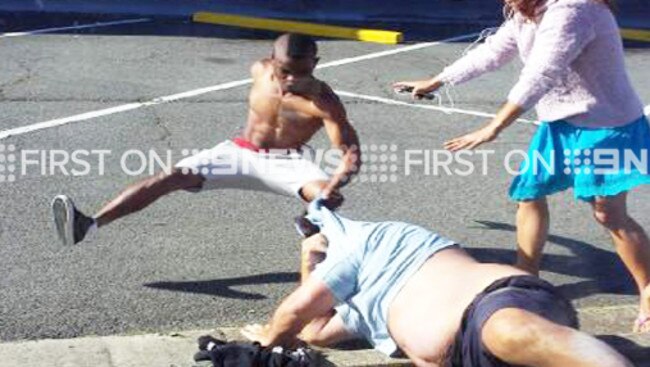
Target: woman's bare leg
[(532, 232), (631, 243)]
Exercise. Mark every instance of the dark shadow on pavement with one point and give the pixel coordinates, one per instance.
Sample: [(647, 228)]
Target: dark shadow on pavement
[(353, 344), (636, 353), (223, 287), (603, 270)]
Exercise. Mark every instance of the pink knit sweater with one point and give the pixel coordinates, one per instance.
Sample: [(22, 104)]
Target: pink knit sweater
[(574, 67)]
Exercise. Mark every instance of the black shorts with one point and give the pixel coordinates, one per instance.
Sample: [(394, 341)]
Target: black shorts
[(527, 293)]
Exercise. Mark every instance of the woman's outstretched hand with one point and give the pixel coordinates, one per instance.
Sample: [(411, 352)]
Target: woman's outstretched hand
[(472, 140), (418, 88)]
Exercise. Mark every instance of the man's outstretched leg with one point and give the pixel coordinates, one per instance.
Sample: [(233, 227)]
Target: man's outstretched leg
[(72, 225), (522, 338)]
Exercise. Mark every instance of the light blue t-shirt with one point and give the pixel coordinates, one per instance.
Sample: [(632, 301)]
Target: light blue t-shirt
[(367, 263)]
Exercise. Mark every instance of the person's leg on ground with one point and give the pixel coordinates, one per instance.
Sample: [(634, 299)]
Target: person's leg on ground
[(532, 232), (519, 337), (632, 245)]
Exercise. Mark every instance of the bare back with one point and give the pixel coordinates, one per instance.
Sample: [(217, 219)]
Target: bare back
[(425, 315), (283, 121)]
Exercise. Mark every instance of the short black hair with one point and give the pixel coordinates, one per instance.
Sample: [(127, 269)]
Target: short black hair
[(297, 46)]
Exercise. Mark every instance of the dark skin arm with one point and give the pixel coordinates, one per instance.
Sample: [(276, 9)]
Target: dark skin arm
[(342, 136)]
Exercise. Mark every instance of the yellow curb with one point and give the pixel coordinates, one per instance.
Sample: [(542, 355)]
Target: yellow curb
[(358, 34), (635, 34)]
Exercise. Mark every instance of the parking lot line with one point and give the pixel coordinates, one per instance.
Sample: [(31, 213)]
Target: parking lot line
[(83, 26), (447, 110), (223, 86)]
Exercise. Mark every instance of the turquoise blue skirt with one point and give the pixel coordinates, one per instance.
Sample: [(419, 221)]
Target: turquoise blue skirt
[(592, 161)]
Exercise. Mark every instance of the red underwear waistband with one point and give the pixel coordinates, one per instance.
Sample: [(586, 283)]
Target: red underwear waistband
[(246, 144)]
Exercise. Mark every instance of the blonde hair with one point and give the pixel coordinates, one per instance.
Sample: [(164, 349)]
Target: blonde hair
[(529, 8)]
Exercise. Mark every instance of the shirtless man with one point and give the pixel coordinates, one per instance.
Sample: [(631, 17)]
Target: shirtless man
[(404, 288), (288, 105)]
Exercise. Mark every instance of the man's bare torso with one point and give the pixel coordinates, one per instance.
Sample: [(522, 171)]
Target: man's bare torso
[(282, 121), (425, 315)]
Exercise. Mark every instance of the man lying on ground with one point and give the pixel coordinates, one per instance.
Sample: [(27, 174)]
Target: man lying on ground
[(404, 288)]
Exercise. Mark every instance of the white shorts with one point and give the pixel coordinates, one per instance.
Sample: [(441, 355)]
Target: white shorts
[(229, 166)]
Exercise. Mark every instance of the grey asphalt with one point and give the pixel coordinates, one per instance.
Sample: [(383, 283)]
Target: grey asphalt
[(225, 258)]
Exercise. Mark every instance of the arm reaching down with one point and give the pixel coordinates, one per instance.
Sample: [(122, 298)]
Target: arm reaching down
[(561, 36), (342, 136), (308, 313), (311, 300), (508, 114)]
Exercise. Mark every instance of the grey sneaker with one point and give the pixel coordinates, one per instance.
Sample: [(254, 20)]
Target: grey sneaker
[(71, 224)]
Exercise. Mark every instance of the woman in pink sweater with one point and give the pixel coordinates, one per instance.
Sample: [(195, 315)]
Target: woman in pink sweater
[(574, 74)]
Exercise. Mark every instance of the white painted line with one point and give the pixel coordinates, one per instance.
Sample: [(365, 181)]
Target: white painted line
[(196, 92), (83, 26), (192, 93), (375, 55), (67, 120), (117, 109), (447, 110)]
